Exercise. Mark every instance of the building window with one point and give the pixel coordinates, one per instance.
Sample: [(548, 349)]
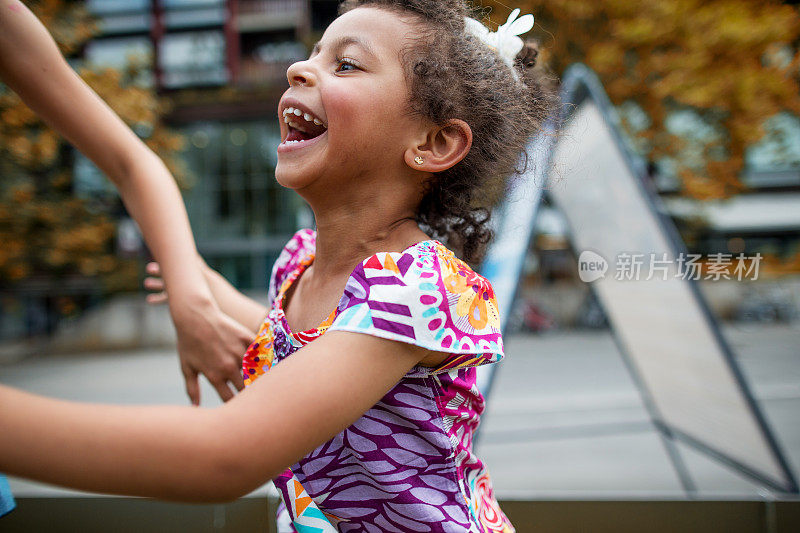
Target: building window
[(193, 58), (240, 215)]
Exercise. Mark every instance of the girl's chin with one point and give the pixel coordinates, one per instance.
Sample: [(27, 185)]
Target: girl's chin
[(294, 176), (290, 180), (297, 165)]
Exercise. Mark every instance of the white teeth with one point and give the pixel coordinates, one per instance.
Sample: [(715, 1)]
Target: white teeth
[(289, 111)]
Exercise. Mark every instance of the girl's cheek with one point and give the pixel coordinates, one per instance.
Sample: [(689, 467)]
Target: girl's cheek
[(355, 100)]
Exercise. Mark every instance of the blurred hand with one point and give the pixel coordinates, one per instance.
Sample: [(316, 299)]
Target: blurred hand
[(209, 341), (155, 283)]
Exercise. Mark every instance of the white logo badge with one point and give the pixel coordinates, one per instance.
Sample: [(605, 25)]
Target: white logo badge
[(591, 266)]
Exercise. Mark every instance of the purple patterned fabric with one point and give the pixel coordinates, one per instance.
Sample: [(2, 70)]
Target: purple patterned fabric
[(407, 463)]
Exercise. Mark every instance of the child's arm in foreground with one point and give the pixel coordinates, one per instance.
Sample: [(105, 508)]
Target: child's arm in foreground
[(189, 454), (30, 63), (231, 301)]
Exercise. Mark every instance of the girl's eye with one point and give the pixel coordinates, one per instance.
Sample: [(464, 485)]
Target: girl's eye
[(345, 61)]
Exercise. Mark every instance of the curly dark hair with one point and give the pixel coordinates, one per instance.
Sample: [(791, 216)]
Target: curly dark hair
[(452, 74)]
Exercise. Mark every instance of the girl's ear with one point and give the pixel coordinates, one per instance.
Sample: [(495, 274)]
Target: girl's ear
[(444, 146)]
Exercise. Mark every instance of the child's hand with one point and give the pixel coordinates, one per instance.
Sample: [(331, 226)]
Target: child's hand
[(155, 283), (209, 341)]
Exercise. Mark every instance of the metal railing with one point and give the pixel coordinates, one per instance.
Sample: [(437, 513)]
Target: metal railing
[(121, 515)]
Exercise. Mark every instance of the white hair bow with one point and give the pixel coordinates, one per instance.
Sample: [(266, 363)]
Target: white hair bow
[(504, 41)]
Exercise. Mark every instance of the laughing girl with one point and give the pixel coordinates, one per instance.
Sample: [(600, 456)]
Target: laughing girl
[(361, 398)]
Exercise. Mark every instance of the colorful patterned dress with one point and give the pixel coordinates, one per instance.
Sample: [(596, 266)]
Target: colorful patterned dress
[(407, 463)]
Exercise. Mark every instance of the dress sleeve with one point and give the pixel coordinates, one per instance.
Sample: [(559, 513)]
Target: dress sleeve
[(301, 243), (426, 297)]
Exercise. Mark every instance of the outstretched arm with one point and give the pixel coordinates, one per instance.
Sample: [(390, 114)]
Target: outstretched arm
[(30, 63), (186, 454)]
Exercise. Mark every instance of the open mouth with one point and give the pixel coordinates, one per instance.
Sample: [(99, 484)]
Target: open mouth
[(302, 126)]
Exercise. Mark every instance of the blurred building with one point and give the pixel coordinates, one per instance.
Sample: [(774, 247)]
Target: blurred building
[(222, 66), (764, 219)]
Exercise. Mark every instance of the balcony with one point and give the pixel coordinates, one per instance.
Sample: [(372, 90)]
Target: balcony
[(256, 72), (264, 15)]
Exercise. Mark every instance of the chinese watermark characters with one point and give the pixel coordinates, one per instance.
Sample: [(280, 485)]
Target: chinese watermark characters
[(640, 266)]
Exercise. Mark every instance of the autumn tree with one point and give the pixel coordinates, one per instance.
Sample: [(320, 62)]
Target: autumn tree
[(47, 233), (732, 63)]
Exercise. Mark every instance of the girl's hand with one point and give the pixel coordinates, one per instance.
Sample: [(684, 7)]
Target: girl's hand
[(209, 342), (155, 283)]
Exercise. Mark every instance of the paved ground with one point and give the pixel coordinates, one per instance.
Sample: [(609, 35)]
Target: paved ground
[(564, 419)]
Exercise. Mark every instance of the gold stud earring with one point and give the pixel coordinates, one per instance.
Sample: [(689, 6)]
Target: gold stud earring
[(418, 160)]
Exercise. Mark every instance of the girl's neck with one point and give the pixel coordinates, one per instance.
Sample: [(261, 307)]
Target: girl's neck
[(362, 214), (346, 237)]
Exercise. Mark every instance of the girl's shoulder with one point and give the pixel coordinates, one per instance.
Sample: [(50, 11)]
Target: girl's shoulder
[(425, 296), (299, 248)]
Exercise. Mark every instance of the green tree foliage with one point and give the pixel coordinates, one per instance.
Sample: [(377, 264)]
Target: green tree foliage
[(733, 63), (46, 232)]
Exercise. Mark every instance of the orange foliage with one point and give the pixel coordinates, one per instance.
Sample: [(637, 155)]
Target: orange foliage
[(44, 230), (734, 62)]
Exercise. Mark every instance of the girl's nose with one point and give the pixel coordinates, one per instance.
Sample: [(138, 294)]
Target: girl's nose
[(300, 73)]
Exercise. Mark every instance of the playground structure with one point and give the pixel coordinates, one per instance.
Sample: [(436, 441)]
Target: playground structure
[(670, 341)]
